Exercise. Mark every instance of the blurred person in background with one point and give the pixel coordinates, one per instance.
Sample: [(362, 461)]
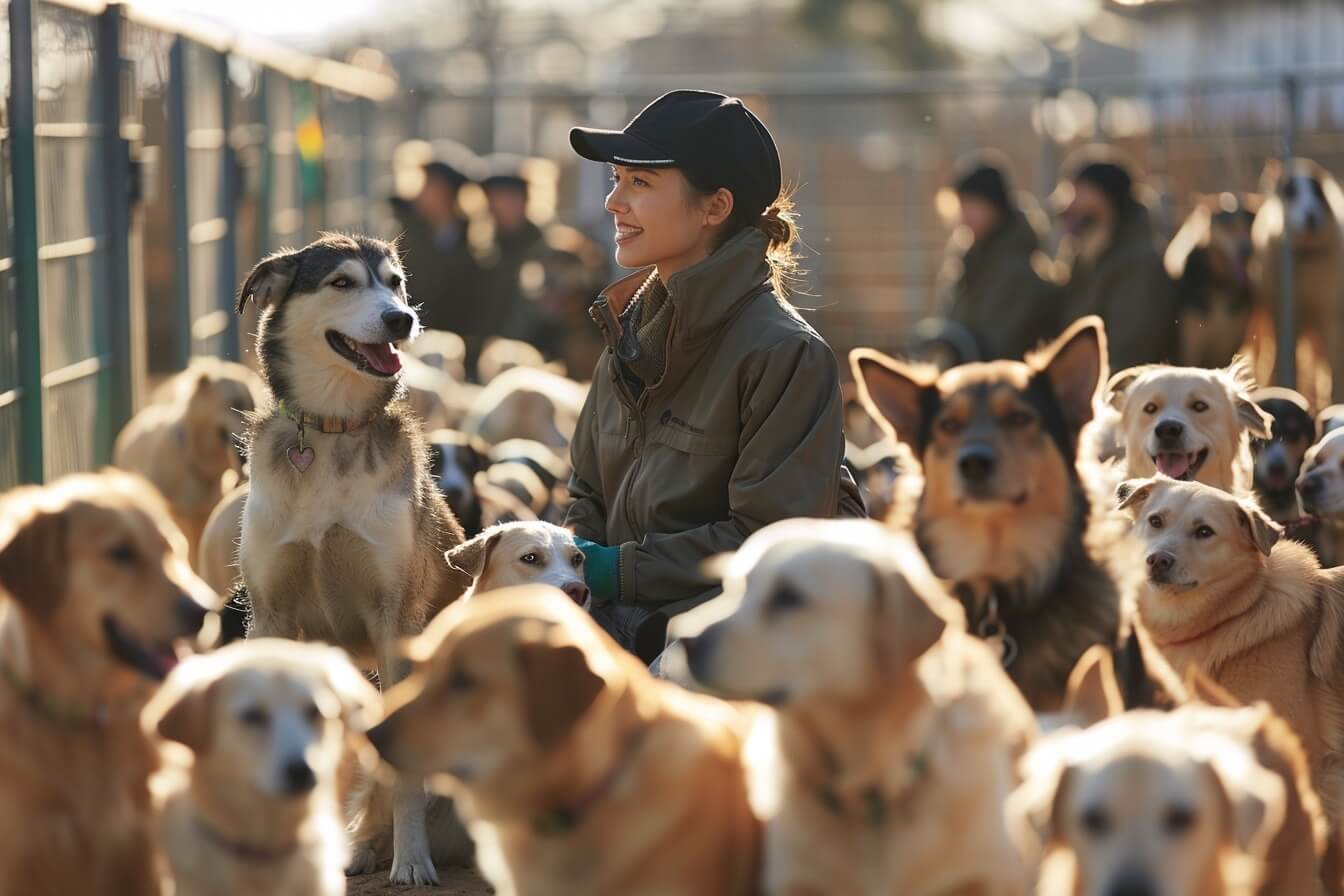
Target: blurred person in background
[(444, 279), (1114, 262), (561, 283), (995, 279)]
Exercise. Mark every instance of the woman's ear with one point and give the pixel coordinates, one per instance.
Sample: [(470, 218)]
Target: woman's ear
[(718, 207)]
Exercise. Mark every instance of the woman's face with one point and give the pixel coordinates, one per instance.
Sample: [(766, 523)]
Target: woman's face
[(660, 220)]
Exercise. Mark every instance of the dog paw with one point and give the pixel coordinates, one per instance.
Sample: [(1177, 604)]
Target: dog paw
[(419, 872), (363, 860)]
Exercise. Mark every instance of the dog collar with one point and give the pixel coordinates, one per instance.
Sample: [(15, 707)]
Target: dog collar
[(245, 851), (64, 715), (565, 818), (989, 625), (874, 806), (330, 425)]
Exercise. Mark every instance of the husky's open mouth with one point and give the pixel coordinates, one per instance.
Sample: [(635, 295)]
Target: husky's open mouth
[(378, 358), (1179, 464), (152, 661)]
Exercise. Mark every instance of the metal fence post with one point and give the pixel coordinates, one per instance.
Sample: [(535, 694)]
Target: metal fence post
[(116, 389), (230, 193), (177, 185), (23, 182), (1286, 326)]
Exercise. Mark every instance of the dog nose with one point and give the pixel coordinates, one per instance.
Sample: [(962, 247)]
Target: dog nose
[(398, 323), (297, 776), (1309, 487), (1160, 562), (976, 464), (577, 591), (1170, 430), (1131, 883), (190, 615), (699, 651), (1278, 467)]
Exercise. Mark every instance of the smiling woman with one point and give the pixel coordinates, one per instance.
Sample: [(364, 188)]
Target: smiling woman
[(716, 409)]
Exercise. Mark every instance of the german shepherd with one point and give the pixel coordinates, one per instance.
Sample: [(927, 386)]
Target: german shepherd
[(1004, 513)]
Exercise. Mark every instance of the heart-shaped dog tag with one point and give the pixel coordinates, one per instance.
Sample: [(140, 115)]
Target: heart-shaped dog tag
[(300, 458)]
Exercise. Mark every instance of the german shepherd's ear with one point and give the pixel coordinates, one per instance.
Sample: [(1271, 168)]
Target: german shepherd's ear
[(896, 395), (1075, 365), (1093, 694), (32, 561), (558, 687), (1134, 492), (471, 556), (1263, 532), (271, 280)]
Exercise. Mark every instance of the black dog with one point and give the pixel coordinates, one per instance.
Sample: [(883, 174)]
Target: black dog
[(1279, 459)]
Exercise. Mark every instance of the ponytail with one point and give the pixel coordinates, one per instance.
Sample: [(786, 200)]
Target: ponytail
[(780, 226)]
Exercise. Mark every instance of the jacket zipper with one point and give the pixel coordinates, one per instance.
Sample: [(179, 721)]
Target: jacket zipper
[(606, 321)]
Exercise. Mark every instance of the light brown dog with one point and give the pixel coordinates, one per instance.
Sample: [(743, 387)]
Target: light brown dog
[(255, 808), (188, 443), (1189, 423), (577, 771), (527, 403), (95, 591), (1149, 803), (897, 732), (522, 553), (217, 559), (1255, 614)]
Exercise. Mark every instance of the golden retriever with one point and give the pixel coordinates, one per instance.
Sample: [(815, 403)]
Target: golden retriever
[(95, 592), (897, 732), (522, 553), (255, 807), (577, 771), (1255, 614), (1190, 423)]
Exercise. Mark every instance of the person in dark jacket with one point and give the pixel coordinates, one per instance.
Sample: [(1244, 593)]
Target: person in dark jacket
[(715, 409), (442, 272), (1115, 267), (996, 286)]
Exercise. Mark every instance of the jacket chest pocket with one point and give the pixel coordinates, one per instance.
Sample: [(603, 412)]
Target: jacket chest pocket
[(683, 478)]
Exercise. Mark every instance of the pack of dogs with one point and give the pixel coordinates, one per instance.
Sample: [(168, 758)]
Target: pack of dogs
[(323, 620)]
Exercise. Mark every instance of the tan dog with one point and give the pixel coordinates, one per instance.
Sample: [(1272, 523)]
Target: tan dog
[(189, 443), (1320, 485), (217, 559), (523, 553), (527, 403), (577, 771), (501, 354), (256, 808), (95, 590), (1255, 614), (1189, 423), (1147, 803), (897, 732)]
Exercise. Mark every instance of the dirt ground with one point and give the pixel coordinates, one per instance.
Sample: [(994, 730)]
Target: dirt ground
[(452, 882)]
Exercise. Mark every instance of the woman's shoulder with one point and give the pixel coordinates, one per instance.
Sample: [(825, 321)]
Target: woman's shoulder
[(769, 320)]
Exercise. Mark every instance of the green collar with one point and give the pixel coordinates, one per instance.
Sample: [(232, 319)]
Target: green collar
[(322, 424)]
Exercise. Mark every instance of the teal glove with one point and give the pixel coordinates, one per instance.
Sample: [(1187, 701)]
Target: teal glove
[(601, 570)]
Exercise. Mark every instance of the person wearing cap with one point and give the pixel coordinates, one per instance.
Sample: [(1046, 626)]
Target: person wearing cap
[(1115, 265), (715, 409), (995, 283), (442, 270)]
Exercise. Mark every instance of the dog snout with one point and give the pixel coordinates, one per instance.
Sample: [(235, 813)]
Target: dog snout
[(1160, 564), (1132, 883), (700, 653), (577, 591), (190, 615), (976, 463), (297, 776), (1277, 466), (1170, 431), (398, 323)]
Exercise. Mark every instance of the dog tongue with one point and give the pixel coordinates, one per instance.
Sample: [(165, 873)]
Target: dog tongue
[(381, 356), (1173, 465)]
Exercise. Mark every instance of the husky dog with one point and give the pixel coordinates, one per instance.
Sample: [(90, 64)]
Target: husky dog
[(344, 531)]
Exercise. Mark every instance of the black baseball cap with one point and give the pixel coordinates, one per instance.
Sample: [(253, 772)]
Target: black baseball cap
[(714, 139)]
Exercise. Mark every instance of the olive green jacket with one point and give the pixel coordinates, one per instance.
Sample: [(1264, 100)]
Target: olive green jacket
[(743, 429)]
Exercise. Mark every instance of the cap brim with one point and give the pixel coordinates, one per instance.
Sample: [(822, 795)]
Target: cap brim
[(618, 148)]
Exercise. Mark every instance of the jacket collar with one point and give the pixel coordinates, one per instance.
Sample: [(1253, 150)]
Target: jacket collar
[(705, 295)]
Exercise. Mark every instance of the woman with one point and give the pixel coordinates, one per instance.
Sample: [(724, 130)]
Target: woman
[(715, 409)]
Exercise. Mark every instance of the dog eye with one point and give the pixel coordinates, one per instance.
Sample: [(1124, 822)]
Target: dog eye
[(1155, 521), (1204, 532), (1179, 819), (785, 599), (342, 283), (1200, 406), (1150, 408), (394, 282), (123, 554), (950, 425), (1017, 419), (1095, 822), (530, 558), (460, 681), (577, 560), (255, 717)]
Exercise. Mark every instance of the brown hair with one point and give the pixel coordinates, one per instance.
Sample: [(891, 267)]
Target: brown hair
[(779, 222)]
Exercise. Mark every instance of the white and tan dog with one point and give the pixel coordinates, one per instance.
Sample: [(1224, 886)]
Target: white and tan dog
[(256, 808), (898, 733), (1190, 423), (525, 553)]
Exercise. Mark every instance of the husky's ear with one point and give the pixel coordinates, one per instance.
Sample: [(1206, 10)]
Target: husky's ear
[(271, 280), (901, 397), (1075, 365)]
